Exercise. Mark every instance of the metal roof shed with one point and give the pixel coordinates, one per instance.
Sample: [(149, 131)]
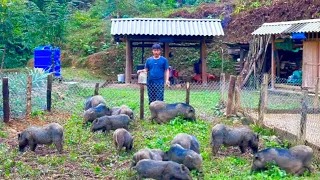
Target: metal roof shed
[(311, 47), (166, 31)]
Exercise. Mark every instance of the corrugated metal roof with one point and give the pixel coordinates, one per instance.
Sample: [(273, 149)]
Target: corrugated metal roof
[(303, 26), (166, 26)]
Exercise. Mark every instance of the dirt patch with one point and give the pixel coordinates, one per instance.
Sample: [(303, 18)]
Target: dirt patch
[(17, 125)]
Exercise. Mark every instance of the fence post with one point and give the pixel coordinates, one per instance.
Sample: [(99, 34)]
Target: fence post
[(263, 100), (316, 96), (49, 90), (237, 94), (29, 90), (230, 95), (141, 101), (5, 94), (96, 89), (222, 86), (303, 121), (188, 93)]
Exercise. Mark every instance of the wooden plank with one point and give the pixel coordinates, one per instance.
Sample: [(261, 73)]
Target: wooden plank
[(5, 95), (141, 101), (128, 61), (170, 46), (49, 90), (29, 90), (273, 65), (222, 86), (230, 95), (303, 121), (310, 58), (203, 62), (166, 51), (316, 95), (96, 89), (188, 93), (237, 94)]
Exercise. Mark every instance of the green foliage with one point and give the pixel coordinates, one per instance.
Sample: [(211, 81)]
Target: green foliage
[(245, 5), (87, 31), (25, 25), (214, 60)]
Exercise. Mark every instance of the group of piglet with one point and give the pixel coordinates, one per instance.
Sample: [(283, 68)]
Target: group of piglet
[(184, 153), (295, 160), (176, 163), (105, 119)]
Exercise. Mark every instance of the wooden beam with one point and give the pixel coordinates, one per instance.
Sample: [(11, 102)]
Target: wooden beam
[(131, 60), (128, 61), (142, 54), (203, 58), (170, 46), (166, 50), (273, 63)]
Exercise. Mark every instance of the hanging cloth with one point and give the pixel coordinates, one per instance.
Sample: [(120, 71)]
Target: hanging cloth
[(286, 45)]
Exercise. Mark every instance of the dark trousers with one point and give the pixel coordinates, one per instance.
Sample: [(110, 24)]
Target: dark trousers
[(155, 91)]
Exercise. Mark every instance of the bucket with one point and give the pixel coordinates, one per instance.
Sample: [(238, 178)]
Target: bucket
[(142, 78), (120, 77)]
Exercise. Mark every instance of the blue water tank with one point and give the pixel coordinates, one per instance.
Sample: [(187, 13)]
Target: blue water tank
[(43, 59)]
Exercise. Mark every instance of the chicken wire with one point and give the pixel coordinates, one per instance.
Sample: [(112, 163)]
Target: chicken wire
[(69, 97), (17, 82)]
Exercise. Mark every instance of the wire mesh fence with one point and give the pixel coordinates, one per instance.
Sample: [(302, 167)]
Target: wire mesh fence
[(283, 104), (17, 84)]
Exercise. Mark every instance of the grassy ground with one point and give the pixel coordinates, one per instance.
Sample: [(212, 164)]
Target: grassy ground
[(90, 155)]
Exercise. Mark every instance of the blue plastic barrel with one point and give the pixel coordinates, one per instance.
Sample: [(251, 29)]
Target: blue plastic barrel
[(43, 59)]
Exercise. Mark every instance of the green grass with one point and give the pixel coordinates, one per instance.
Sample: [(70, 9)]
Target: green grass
[(93, 155), (80, 74)]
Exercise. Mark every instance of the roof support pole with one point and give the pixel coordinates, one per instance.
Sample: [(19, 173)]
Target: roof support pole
[(166, 50), (273, 62), (203, 58), (142, 53), (128, 70)]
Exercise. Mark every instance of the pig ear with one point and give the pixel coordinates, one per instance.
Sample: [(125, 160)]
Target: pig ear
[(19, 135), (257, 135), (183, 167)]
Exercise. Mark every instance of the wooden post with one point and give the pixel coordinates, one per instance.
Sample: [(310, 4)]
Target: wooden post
[(188, 93), (5, 94), (128, 62), (230, 95), (273, 63), (303, 121), (316, 96), (142, 53), (49, 90), (141, 101), (96, 89), (203, 61), (263, 100), (166, 50), (222, 86), (237, 94), (29, 90)]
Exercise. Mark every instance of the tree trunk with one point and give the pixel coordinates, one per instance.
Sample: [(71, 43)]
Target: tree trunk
[(3, 56)]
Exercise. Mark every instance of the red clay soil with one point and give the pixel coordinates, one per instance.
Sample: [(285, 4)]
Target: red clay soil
[(17, 125)]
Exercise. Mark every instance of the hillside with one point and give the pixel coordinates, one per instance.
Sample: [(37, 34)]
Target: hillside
[(83, 28)]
